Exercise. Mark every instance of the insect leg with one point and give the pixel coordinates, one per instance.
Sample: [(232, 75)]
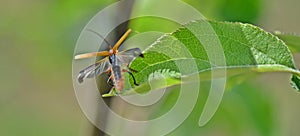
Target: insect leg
[(108, 70), (109, 79), (134, 81), (135, 71), (141, 55), (128, 70)]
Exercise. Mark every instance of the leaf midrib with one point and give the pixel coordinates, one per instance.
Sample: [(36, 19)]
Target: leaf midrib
[(286, 69)]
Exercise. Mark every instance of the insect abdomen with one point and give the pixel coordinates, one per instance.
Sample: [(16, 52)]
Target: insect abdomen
[(118, 78)]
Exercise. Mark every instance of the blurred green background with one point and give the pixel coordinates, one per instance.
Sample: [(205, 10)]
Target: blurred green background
[(37, 40)]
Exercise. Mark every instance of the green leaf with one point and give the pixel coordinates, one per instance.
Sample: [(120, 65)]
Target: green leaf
[(180, 56), (291, 40), (229, 10)]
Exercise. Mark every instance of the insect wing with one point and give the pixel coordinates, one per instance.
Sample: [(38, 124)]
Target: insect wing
[(125, 57), (94, 70)]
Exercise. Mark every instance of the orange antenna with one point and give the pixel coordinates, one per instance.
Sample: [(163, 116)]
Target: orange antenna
[(121, 40), (89, 55)]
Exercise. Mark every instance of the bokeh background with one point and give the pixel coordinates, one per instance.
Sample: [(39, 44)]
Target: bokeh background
[(37, 39)]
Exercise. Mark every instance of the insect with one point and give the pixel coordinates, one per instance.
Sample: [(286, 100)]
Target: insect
[(114, 63)]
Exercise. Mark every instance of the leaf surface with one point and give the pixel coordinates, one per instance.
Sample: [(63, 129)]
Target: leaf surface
[(189, 52)]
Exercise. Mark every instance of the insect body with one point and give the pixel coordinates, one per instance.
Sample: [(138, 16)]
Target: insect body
[(116, 72), (114, 63)]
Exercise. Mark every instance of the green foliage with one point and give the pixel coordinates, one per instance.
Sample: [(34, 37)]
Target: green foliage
[(245, 109), (246, 48), (229, 10), (37, 43)]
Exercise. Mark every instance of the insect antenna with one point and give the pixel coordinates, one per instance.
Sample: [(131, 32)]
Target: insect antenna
[(99, 35)]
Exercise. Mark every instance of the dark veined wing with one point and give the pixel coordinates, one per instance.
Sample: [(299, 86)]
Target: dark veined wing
[(94, 70), (125, 57)]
